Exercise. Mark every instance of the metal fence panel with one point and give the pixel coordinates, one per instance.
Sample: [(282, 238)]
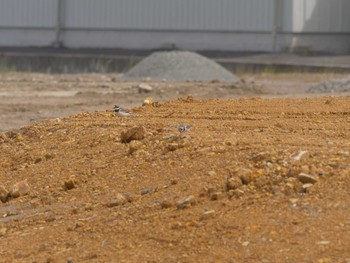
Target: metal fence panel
[(218, 15), (28, 13)]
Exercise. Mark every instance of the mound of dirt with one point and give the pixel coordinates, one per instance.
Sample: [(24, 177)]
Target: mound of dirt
[(338, 85), (179, 66), (253, 180)]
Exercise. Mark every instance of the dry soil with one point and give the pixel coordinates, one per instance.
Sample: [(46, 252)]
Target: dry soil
[(253, 180)]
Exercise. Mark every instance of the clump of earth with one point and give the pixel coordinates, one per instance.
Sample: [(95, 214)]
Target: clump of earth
[(179, 66)]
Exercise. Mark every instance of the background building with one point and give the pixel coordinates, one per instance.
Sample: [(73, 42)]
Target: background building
[(227, 25)]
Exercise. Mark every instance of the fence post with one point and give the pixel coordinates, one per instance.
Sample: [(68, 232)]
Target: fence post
[(60, 9)]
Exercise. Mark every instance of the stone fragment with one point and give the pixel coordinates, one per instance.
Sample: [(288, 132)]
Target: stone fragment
[(233, 183), (292, 186), (135, 133), (118, 200), (186, 202), (235, 193), (144, 88), (69, 183), (216, 196), (19, 189), (166, 204), (146, 191), (307, 178), (208, 214), (134, 146), (4, 194)]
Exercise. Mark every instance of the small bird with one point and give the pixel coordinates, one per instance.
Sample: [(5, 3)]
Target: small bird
[(184, 128), (122, 112)]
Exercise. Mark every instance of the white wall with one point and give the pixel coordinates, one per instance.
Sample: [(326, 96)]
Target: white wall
[(235, 25)]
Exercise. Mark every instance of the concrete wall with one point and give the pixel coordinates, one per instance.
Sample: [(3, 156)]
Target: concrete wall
[(231, 25)]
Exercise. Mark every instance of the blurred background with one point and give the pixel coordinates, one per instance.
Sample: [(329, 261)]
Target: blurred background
[(308, 26)]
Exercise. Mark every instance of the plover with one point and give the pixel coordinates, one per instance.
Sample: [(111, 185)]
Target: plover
[(121, 112), (184, 128)]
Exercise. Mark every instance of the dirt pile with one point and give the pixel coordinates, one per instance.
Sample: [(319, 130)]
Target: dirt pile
[(179, 66), (252, 180)]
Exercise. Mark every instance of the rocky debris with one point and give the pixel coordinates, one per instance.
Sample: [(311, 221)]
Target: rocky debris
[(166, 203), (144, 88), (19, 189), (186, 202), (118, 200), (178, 66), (307, 178), (134, 146), (233, 183), (337, 85), (216, 196), (4, 194), (207, 214), (292, 186), (3, 231), (135, 133), (298, 155), (147, 101), (147, 190), (69, 183)]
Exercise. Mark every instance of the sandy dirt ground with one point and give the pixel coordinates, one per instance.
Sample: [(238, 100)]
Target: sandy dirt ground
[(255, 179), (28, 97)]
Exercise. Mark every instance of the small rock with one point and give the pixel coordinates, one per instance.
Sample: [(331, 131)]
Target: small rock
[(134, 146), (144, 88), (245, 244), (172, 146), (186, 202), (147, 101), (235, 193), (212, 173), (292, 186), (208, 214), (19, 189), (4, 194), (166, 204), (135, 133), (146, 191), (323, 242), (3, 231), (246, 178), (119, 199), (216, 196), (69, 183), (233, 183), (308, 188), (307, 178)]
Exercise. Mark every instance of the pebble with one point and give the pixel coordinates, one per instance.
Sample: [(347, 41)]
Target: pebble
[(233, 183), (69, 183), (208, 214), (146, 191), (235, 193), (307, 178), (186, 202), (216, 196), (166, 204), (135, 133), (19, 189), (4, 194), (134, 146), (144, 88), (3, 231), (118, 200)]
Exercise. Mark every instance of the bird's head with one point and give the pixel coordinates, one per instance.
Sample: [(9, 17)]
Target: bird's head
[(116, 108)]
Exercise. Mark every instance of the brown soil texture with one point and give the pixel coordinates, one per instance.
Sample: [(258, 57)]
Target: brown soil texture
[(228, 190)]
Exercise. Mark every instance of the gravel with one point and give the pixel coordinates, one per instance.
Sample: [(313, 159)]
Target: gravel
[(337, 85), (178, 66)]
